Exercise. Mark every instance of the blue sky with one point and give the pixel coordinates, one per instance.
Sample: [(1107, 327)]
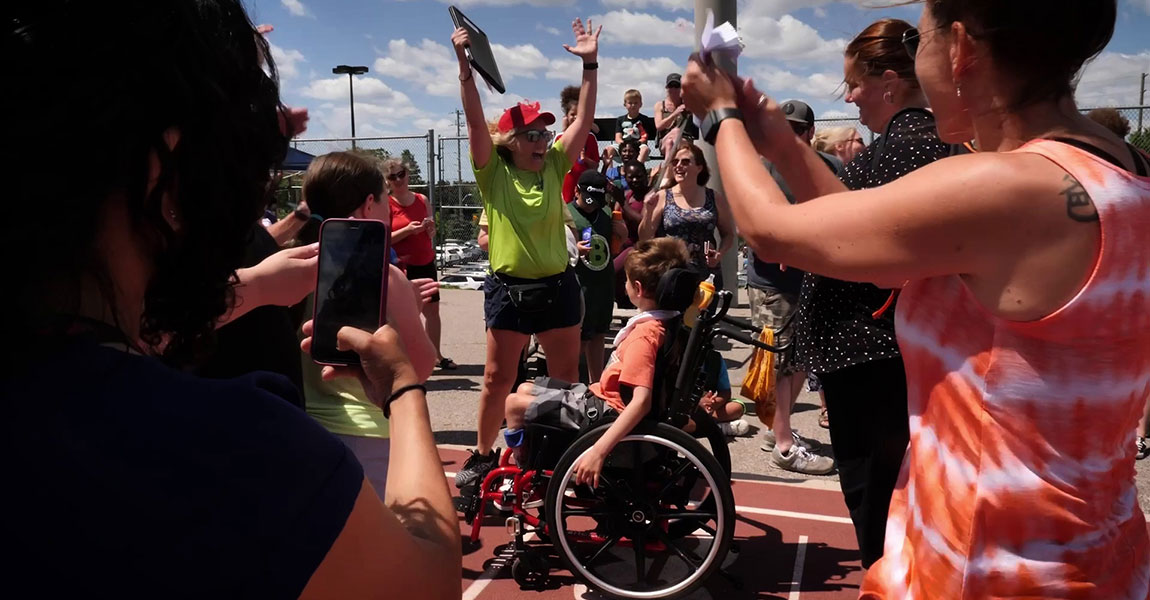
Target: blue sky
[(793, 49)]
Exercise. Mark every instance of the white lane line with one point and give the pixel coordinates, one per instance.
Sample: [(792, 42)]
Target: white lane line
[(793, 515), (797, 576), (498, 564)]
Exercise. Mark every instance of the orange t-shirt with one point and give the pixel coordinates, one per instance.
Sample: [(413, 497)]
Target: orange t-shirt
[(632, 363)]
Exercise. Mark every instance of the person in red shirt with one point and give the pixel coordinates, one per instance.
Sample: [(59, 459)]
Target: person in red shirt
[(569, 102), (412, 235)]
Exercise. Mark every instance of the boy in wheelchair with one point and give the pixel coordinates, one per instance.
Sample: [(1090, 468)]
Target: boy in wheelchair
[(625, 387)]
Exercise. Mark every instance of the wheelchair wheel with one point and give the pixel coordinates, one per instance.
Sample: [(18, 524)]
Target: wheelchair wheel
[(659, 524)]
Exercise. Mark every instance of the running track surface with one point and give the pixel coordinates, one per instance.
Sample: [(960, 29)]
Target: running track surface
[(795, 542)]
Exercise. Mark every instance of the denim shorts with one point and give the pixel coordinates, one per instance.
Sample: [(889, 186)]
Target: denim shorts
[(499, 312)]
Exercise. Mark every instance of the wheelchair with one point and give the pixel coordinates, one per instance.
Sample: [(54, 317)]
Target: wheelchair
[(662, 520)]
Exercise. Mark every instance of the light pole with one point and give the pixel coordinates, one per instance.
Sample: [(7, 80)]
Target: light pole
[(351, 71), (725, 11)]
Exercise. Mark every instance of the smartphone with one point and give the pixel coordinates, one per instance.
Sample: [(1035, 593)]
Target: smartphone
[(351, 284)]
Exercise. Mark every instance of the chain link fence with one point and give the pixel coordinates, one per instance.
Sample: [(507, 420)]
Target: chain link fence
[(458, 207), (416, 151), (440, 168)]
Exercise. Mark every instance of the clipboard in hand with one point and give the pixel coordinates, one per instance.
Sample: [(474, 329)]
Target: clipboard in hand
[(479, 51)]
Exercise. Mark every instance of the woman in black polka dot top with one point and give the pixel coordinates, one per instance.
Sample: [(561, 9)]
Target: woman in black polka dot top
[(837, 335)]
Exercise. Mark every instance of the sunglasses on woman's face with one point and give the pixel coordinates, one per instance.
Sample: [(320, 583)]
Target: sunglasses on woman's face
[(397, 176), (681, 162), (534, 135)]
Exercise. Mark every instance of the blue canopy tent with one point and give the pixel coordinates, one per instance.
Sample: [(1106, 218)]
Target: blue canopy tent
[(297, 160)]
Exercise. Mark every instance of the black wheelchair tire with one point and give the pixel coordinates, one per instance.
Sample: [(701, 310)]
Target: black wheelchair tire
[(721, 489)]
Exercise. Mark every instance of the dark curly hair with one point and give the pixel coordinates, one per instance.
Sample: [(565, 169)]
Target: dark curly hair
[(135, 69)]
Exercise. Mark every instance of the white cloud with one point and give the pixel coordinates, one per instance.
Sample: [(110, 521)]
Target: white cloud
[(509, 2), (518, 61), (296, 8), (287, 61), (644, 29), (786, 38), (367, 89), (1113, 79), (554, 30), (837, 114), (431, 65), (1145, 4), (660, 4), (782, 84)]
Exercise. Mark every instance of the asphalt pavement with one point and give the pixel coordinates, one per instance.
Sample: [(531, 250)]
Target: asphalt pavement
[(454, 397)]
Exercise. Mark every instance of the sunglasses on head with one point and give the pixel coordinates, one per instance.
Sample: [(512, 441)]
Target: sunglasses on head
[(397, 175), (534, 135), (911, 39)]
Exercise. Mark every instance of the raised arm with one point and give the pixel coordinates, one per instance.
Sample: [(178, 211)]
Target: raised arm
[(801, 167), (587, 48), (995, 218), (478, 137), (416, 520)]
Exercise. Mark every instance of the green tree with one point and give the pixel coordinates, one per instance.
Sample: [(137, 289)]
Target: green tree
[(1141, 139), (414, 176), (377, 153)]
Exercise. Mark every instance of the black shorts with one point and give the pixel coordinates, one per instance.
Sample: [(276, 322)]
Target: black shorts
[(563, 310), (598, 309), (424, 272)]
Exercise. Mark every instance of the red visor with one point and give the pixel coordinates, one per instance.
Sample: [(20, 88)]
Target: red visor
[(522, 115)]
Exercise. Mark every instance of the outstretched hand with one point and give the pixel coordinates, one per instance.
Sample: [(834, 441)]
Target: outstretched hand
[(706, 87), (763, 117), (586, 40)]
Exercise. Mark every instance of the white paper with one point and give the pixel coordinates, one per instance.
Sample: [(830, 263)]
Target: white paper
[(723, 39)]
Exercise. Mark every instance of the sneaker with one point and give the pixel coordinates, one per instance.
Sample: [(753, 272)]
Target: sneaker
[(769, 441), (735, 428), (800, 460), (476, 468), (1143, 448)]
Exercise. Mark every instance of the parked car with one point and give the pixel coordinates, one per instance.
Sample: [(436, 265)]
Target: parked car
[(463, 282)]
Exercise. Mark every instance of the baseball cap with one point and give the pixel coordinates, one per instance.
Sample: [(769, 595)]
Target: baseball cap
[(593, 184), (799, 112), (674, 80), (522, 115)]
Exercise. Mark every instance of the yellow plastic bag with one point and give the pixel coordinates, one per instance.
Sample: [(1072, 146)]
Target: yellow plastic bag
[(759, 384)]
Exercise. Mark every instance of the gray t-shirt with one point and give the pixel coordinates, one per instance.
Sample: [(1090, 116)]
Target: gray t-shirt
[(768, 276)]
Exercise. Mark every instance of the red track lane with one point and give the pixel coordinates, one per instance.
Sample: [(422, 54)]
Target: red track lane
[(812, 522)]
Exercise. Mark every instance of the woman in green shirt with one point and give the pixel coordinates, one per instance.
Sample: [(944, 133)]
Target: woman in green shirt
[(532, 289)]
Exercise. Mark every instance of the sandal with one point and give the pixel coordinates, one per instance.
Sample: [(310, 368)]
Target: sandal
[(446, 364), (824, 419)]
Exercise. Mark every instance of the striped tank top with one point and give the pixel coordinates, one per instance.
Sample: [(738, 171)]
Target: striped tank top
[(1019, 477)]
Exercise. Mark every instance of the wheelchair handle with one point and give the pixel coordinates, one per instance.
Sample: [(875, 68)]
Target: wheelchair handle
[(743, 337)]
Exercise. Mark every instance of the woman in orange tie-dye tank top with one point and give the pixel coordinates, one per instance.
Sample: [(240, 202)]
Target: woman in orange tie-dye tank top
[(1025, 317)]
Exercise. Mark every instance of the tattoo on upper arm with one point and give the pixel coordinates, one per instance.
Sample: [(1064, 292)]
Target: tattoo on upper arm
[(1079, 206)]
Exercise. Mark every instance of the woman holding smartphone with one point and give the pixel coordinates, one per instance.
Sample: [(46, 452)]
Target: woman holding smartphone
[(139, 476), (531, 289)]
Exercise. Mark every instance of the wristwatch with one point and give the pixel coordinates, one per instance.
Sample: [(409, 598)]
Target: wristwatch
[(714, 118)]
